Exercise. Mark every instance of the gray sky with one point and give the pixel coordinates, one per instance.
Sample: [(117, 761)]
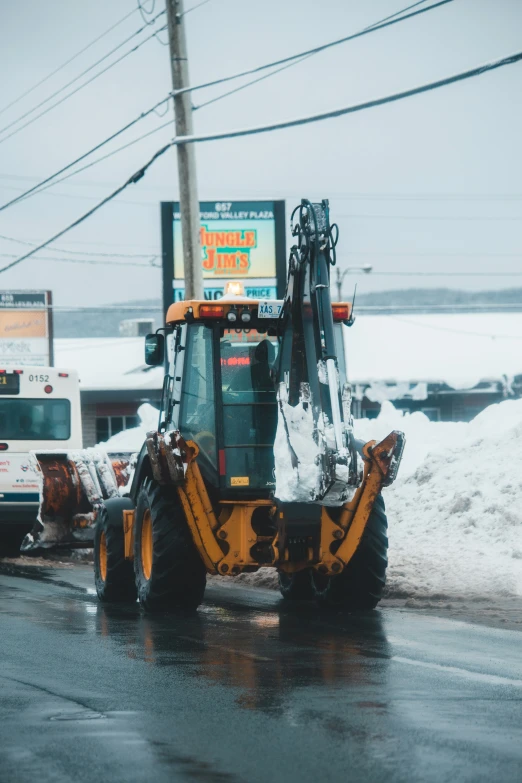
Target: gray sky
[(432, 183)]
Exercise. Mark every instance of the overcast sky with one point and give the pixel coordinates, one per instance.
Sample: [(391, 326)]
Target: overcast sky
[(429, 184)]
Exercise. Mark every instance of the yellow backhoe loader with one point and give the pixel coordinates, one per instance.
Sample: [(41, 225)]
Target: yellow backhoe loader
[(254, 462)]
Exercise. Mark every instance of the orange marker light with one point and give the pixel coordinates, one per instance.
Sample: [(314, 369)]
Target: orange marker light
[(340, 312), (211, 311)]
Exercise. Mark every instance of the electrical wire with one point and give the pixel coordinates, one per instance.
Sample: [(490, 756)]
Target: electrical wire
[(509, 60), (250, 83), (28, 192), (386, 22), (430, 217), (444, 274), (131, 181), (67, 62), (94, 261), (108, 155), (458, 77), (39, 187), (144, 13), (73, 92), (76, 252), (198, 5)]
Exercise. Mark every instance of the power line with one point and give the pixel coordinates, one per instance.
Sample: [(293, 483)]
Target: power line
[(479, 306), (104, 157), (67, 62), (193, 8), (73, 92), (446, 274), (387, 22), (307, 56), (94, 261), (441, 254), (458, 218), (479, 70), (338, 112), (277, 126), (27, 193), (132, 180), (76, 252), (38, 187)]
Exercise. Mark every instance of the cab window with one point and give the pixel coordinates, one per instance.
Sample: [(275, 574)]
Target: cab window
[(197, 411)]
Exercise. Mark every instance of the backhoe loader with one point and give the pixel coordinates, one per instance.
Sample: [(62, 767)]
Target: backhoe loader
[(254, 462)]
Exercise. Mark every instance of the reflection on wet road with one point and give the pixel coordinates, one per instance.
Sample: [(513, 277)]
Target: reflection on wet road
[(249, 688)]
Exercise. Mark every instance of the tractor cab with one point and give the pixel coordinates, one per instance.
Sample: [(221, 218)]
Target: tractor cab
[(220, 387)]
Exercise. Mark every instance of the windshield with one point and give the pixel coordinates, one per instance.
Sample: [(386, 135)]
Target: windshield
[(249, 406), (25, 419)]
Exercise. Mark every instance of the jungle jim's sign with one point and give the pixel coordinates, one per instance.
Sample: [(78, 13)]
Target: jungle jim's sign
[(240, 240)]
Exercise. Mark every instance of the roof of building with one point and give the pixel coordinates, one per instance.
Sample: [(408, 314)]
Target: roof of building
[(108, 363), (459, 350)]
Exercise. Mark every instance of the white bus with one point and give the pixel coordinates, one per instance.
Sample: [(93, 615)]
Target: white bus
[(39, 409)]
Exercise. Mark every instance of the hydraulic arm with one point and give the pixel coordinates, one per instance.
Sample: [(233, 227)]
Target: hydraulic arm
[(315, 455)]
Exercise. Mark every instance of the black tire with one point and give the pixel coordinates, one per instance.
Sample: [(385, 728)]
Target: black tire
[(360, 586), (113, 575), (10, 543), (296, 587), (173, 575)]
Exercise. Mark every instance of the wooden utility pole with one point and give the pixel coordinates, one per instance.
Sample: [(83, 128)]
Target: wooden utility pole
[(188, 191)]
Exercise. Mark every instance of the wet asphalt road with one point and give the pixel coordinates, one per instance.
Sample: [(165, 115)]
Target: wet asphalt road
[(248, 689)]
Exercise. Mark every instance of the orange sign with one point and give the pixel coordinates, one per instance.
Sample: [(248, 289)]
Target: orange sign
[(17, 324)]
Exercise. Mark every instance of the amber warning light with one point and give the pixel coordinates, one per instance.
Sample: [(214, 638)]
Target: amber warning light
[(340, 312), (211, 311)]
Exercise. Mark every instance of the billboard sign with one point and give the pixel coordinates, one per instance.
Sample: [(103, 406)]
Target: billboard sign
[(26, 328), (240, 240)]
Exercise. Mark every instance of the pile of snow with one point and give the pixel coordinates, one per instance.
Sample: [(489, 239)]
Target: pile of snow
[(455, 521), (131, 441), (455, 510)]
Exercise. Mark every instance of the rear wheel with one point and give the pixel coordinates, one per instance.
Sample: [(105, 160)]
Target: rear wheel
[(296, 587), (113, 574), (360, 586), (10, 543), (169, 571)]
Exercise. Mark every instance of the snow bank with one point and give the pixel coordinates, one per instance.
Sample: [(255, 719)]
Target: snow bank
[(455, 512), (132, 440)]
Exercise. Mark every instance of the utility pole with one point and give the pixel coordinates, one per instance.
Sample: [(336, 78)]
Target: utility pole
[(188, 191), (339, 277)]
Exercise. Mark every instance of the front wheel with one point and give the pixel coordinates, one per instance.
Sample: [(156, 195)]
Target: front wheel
[(113, 574), (360, 586), (169, 571)]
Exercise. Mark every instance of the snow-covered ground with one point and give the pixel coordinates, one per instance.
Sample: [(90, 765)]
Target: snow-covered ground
[(455, 511)]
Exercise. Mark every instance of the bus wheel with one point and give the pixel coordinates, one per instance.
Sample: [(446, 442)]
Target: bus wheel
[(113, 574), (170, 574)]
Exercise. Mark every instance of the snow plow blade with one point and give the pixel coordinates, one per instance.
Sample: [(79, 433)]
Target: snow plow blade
[(73, 485)]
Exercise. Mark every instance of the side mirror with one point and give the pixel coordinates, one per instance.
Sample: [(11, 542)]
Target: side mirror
[(154, 349)]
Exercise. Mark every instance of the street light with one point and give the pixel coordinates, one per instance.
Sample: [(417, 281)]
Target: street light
[(366, 268)]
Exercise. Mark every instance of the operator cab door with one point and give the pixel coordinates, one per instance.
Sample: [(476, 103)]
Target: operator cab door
[(228, 405)]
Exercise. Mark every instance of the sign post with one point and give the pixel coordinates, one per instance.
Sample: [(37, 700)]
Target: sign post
[(26, 328), (240, 240)]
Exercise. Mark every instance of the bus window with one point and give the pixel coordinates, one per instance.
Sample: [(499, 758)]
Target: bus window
[(35, 419)]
